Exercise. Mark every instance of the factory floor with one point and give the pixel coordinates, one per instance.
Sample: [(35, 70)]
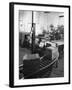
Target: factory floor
[(56, 71), (22, 52), (59, 71)]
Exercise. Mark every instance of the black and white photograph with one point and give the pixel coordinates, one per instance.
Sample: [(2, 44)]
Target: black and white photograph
[(41, 44)]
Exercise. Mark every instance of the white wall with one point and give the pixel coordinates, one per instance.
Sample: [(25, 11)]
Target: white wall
[(25, 20), (41, 19)]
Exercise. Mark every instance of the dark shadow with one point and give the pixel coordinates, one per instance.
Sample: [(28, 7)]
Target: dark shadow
[(7, 85)]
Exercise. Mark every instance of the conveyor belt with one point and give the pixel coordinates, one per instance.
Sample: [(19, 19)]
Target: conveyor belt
[(44, 61), (45, 66)]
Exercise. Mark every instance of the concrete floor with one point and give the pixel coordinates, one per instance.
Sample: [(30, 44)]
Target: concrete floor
[(59, 71)]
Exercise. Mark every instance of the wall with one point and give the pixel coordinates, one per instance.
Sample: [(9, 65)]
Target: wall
[(25, 20), (41, 19)]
